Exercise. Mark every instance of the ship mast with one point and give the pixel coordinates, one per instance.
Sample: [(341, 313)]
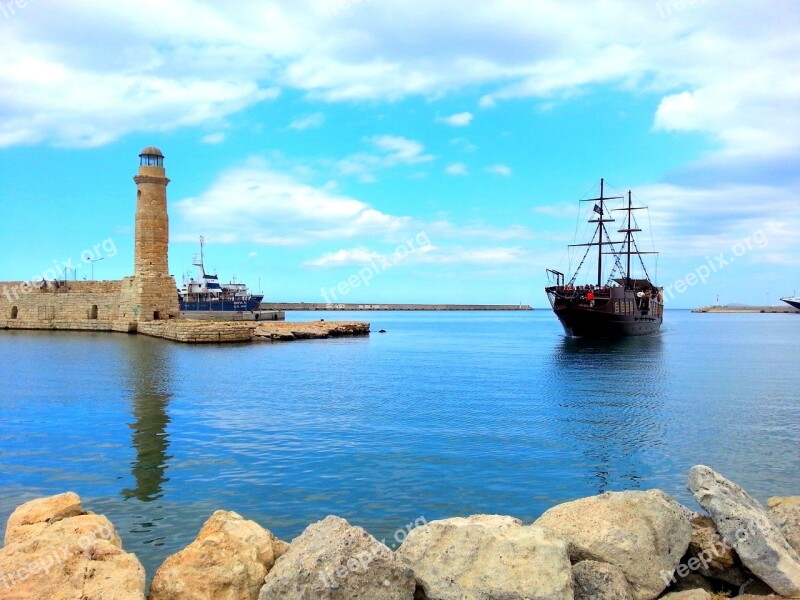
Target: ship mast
[(600, 239), (630, 235), (632, 249), (199, 262), (601, 211)]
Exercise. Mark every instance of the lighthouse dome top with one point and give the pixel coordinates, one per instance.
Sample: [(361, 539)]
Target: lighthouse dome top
[(151, 151), (151, 156)]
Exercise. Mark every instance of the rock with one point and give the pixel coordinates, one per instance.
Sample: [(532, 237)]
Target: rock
[(695, 594), (710, 556), (33, 517), (485, 520), (707, 545), (692, 581), (745, 525), (335, 560), (757, 588), (227, 561), (75, 557), (487, 557), (279, 548), (785, 513), (599, 581), (644, 534)]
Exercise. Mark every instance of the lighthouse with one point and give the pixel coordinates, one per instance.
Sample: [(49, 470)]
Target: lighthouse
[(152, 220), (151, 294)]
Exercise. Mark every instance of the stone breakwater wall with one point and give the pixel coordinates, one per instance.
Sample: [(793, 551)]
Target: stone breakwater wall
[(204, 332), (114, 306), (29, 306), (295, 306), (634, 545)]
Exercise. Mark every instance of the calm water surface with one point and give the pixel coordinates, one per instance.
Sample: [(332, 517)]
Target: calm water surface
[(447, 414)]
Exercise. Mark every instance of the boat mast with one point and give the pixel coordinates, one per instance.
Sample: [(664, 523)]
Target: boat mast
[(601, 210), (631, 249), (199, 263), (630, 235), (600, 239)]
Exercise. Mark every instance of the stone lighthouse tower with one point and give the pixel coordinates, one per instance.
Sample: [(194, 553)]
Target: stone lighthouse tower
[(151, 293)]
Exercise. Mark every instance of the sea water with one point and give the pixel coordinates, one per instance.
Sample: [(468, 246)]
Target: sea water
[(446, 414)]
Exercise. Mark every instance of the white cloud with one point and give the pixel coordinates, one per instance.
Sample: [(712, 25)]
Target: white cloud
[(461, 119), (456, 169), (459, 255), (255, 204), (307, 121), (392, 151), (213, 138), (503, 170), (401, 150), (425, 255), (696, 221), (348, 257), (720, 72)]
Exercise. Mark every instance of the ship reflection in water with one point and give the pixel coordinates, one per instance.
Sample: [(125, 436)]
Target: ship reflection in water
[(149, 383), (612, 397)]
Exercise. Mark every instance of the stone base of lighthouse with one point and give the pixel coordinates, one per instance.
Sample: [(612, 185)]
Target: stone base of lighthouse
[(148, 298)]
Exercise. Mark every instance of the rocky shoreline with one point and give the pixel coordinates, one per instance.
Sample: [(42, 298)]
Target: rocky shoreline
[(634, 545)]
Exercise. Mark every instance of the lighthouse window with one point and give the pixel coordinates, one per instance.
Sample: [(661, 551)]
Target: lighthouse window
[(150, 160)]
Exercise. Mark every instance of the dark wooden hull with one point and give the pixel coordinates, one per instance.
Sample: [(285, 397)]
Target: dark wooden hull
[(587, 322), (612, 312)]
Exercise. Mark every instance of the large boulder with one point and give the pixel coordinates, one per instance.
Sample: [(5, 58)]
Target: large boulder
[(74, 557), (600, 581), (227, 561), (335, 560), (745, 525), (785, 513), (487, 557), (644, 534), (33, 517)]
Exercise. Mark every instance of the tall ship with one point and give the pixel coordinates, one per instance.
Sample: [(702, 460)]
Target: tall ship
[(206, 294), (794, 301), (622, 304)]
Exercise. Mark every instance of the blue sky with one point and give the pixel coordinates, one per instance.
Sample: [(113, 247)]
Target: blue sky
[(425, 153)]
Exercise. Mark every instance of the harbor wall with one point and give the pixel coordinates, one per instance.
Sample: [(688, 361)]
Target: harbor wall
[(344, 306), (86, 304)]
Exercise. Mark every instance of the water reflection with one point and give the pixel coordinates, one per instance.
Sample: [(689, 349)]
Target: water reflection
[(612, 398), (149, 383)]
